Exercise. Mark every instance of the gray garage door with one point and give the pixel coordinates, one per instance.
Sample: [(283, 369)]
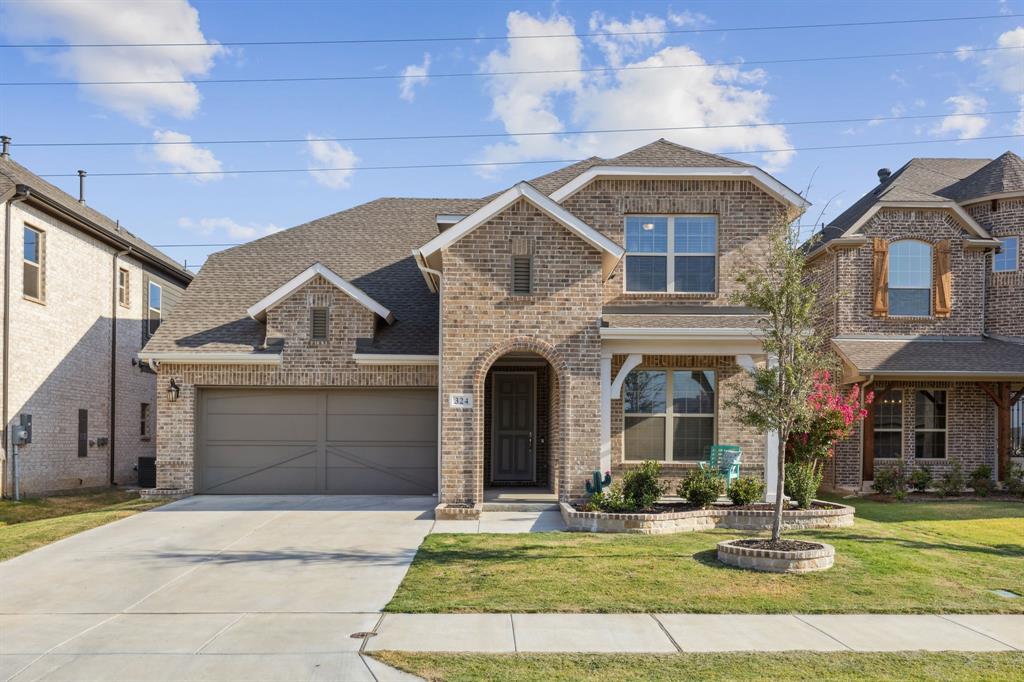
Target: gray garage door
[(360, 441)]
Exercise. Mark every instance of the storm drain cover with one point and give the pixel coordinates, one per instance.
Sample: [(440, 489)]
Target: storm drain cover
[(1006, 593), (362, 635)]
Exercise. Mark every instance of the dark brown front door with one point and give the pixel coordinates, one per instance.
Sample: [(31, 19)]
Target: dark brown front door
[(514, 416)]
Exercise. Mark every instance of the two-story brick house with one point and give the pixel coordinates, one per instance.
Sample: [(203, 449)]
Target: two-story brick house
[(577, 322), (81, 295), (922, 294)]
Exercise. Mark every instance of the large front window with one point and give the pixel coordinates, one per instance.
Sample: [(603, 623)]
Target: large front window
[(910, 279), (669, 414), (671, 253), (930, 425), (888, 425)]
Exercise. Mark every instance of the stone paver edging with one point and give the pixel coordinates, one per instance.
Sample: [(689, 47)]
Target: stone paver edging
[(833, 515), (777, 561), (667, 633)]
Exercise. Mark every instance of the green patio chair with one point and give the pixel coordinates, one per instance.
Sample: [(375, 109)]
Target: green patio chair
[(725, 459)]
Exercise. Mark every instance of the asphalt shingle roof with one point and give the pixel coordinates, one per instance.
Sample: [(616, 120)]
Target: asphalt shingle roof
[(13, 173), (963, 356)]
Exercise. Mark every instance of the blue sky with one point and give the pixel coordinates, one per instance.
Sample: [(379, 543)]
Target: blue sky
[(229, 207)]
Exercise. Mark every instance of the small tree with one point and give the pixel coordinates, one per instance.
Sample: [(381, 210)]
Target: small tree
[(778, 400)]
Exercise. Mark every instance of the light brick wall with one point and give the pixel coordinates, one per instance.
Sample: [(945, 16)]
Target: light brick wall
[(305, 363), (728, 431), (60, 360), (559, 321), (746, 214)]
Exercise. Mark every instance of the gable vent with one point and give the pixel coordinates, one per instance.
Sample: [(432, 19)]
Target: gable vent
[(318, 324), (521, 275)]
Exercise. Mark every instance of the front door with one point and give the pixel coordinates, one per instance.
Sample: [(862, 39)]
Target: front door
[(513, 416)]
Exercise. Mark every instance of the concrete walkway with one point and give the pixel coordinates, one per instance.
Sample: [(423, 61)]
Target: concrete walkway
[(505, 522), (672, 633)]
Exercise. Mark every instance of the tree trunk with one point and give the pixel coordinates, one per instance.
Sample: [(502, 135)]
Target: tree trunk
[(779, 488)]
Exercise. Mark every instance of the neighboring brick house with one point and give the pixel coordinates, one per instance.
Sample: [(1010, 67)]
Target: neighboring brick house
[(577, 322), (81, 295), (922, 293)]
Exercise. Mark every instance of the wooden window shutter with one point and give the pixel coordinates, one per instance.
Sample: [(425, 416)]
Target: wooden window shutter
[(880, 280), (943, 289)]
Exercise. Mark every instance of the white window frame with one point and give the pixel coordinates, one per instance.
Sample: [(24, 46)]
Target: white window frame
[(669, 415), (944, 431), (899, 430), (38, 265), (124, 292), (670, 265), (149, 304), (931, 279), (1016, 254)]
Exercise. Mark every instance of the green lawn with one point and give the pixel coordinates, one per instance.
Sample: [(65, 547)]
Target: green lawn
[(38, 521), (898, 558), (638, 667)]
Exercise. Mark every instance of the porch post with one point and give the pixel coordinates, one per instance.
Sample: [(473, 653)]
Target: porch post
[(771, 455), (606, 411)]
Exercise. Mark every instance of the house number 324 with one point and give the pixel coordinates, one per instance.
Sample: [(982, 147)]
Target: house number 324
[(462, 401)]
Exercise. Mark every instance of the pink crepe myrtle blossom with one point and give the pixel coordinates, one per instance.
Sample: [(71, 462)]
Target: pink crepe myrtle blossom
[(834, 414)]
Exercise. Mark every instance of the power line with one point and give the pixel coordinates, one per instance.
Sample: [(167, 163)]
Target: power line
[(540, 72), (466, 136), (448, 39), (252, 171)]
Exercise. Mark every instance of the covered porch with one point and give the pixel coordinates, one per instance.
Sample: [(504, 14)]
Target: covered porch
[(667, 375)]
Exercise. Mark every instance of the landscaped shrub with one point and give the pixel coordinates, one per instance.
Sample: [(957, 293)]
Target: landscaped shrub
[(701, 487), (1015, 480), (981, 480), (641, 487), (953, 482), (802, 482), (609, 500), (746, 490), (921, 479), (890, 481)]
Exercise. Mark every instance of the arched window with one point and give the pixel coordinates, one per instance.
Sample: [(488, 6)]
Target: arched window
[(910, 278)]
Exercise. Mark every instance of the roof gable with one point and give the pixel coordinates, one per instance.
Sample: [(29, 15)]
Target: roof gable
[(1003, 175), (258, 311), (523, 190), (664, 153)]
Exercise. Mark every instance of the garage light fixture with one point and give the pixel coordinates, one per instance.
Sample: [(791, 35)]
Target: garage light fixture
[(172, 391)]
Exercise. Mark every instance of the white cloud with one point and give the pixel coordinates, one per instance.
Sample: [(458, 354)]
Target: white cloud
[(228, 227), (964, 52), (963, 126), (329, 154), (688, 18), (1018, 126), (619, 40), (185, 156), (413, 76), (1003, 67), (111, 21), (630, 98)]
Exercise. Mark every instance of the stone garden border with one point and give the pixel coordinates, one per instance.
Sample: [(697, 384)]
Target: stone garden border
[(834, 515), (775, 560)]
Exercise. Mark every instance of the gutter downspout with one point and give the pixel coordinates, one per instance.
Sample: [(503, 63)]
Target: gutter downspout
[(20, 194), (421, 263), (113, 359)]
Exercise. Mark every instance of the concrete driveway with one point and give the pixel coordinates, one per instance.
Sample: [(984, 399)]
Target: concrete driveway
[(181, 591)]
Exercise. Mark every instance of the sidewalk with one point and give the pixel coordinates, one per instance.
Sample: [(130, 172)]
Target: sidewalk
[(671, 633)]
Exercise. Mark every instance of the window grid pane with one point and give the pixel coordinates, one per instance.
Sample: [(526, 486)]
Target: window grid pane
[(646, 273), (646, 234), (930, 425), (696, 234), (692, 438), (693, 393), (695, 274), (644, 392), (1006, 259), (645, 438), (910, 265), (910, 302), (31, 245)]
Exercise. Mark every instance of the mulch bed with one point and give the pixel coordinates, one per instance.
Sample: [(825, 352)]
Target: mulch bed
[(780, 546), (935, 497)]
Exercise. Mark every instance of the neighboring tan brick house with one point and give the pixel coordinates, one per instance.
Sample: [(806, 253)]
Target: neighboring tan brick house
[(922, 293), (81, 295), (574, 323)]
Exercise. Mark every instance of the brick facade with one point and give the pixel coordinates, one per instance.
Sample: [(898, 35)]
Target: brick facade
[(60, 360), (1004, 291)]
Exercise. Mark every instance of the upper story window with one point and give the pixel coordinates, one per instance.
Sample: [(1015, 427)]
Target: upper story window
[(155, 307), (123, 287), (1006, 259), (32, 286), (671, 253), (910, 278)]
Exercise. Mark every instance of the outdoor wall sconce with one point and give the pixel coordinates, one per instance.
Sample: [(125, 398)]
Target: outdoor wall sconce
[(172, 391)]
